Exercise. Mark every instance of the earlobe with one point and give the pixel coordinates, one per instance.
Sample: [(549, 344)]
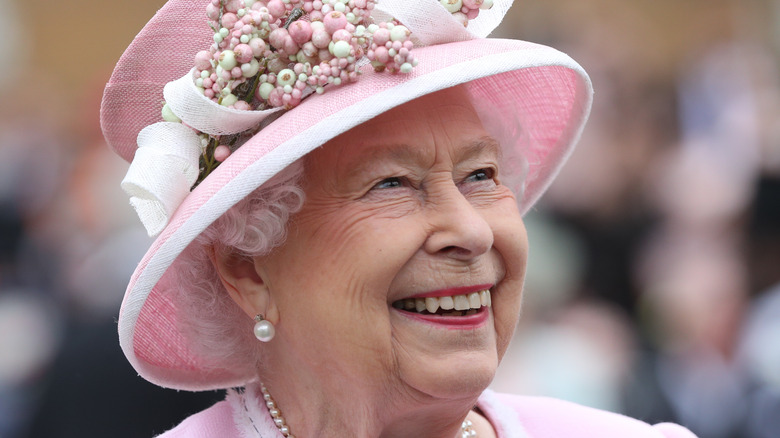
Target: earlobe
[(242, 281)]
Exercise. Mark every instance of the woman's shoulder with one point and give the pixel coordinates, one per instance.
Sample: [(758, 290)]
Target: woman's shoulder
[(214, 422), (543, 417)]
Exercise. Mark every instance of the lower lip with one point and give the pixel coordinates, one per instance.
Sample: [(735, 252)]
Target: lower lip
[(451, 322)]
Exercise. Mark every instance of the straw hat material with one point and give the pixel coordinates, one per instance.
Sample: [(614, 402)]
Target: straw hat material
[(540, 96)]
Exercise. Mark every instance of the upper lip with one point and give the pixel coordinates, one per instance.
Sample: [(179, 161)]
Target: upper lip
[(452, 291)]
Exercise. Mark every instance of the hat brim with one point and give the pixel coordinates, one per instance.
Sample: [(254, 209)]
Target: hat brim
[(539, 93)]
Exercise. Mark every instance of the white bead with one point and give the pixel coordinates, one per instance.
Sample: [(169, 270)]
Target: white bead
[(264, 331)]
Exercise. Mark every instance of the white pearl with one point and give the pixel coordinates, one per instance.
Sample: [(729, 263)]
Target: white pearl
[(264, 331)]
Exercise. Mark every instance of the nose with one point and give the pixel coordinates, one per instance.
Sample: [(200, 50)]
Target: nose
[(458, 229)]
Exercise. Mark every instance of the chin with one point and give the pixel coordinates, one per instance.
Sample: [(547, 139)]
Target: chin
[(457, 376)]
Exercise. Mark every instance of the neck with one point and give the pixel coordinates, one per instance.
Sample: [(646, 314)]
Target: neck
[(315, 408)]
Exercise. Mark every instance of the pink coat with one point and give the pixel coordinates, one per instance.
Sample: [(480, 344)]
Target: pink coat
[(512, 417)]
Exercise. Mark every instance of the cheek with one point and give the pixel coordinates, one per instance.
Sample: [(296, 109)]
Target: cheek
[(353, 250), (511, 242)]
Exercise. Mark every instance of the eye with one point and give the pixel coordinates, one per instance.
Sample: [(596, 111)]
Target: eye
[(481, 175), (389, 183)]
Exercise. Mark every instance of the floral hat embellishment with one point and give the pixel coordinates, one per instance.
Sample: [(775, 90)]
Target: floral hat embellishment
[(267, 57)]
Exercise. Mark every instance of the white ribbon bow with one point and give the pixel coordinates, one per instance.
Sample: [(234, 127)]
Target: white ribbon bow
[(167, 161)]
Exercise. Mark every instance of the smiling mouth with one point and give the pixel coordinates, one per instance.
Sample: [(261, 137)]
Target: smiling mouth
[(456, 305)]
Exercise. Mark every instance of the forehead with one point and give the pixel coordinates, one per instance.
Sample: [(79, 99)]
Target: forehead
[(444, 121)]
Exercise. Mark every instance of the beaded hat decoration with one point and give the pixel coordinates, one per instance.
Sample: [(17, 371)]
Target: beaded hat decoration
[(266, 57), (533, 99)]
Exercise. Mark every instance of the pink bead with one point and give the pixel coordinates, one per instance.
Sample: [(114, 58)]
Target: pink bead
[(343, 62), (334, 21), (212, 12), (298, 68), (242, 105), (231, 5), (408, 45), (221, 153), (309, 49), (244, 53), (208, 83), (276, 9), (381, 55), (278, 37), (275, 98), (289, 46), (229, 20), (300, 31), (300, 85), (325, 55), (360, 4), (316, 4), (236, 72), (320, 38), (296, 93), (472, 14), (353, 76), (381, 36), (209, 93), (203, 60), (307, 7), (342, 35), (258, 47), (213, 77), (316, 16)]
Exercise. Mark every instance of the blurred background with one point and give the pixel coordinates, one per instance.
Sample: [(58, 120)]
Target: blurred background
[(654, 278)]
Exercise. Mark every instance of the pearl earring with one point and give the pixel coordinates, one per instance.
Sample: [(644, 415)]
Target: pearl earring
[(264, 330)]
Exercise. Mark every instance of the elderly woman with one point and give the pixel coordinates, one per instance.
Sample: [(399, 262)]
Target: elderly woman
[(345, 250)]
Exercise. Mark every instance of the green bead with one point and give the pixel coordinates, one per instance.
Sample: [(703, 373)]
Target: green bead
[(341, 49), (168, 115), (229, 100), (265, 90)]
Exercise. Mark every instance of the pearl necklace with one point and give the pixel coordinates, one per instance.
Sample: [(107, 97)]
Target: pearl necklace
[(466, 428)]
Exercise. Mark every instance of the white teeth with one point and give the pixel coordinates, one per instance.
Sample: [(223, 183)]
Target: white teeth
[(461, 302), (474, 301), (458, 303), (446, 303), (432, 304)]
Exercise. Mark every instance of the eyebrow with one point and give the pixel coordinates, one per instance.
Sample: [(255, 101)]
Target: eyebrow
[(400, 152)]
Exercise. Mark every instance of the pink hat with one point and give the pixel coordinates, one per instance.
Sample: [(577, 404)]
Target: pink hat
[(539, 97)]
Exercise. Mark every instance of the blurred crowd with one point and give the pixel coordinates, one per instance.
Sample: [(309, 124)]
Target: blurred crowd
[(653, 283)]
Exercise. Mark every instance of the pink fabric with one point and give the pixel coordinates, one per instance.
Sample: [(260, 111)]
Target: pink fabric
[(214, 422), (543, 417), (511, 416)]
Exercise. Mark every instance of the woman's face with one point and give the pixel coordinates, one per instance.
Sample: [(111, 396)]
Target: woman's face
[(406, 206)]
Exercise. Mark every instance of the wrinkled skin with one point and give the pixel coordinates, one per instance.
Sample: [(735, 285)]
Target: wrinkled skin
[(409, 202)]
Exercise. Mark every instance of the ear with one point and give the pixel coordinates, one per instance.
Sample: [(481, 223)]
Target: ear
[(242, 281)]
